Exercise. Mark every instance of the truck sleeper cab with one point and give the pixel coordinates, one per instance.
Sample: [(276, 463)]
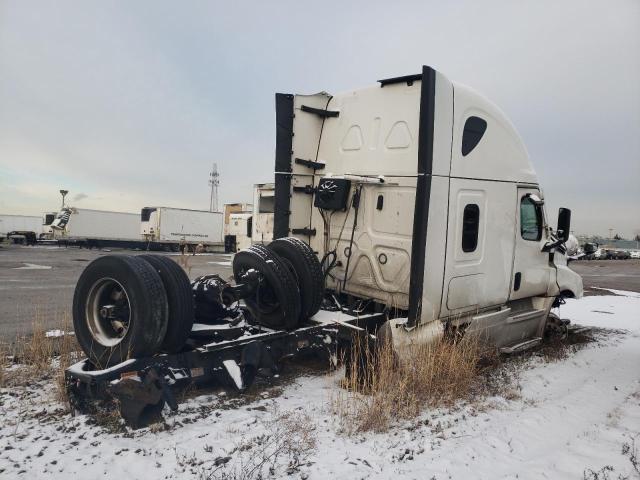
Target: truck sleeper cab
[(419, 196)]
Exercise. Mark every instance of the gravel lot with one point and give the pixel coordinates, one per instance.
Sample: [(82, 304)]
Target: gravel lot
[(37, 283), (616, 274)]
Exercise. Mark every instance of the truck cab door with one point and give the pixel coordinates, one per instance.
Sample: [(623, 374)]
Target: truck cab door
[(531, 270)]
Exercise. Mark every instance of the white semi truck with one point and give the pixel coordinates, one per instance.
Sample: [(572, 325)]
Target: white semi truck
[(178, 226), (419, 195), (408, 210), (253, 225)]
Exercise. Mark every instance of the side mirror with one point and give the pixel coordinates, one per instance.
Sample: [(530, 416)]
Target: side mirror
[(564, 224)]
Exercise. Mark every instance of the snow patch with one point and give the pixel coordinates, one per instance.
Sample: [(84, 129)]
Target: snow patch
[(56, 333), (572, 415), (33, 266)]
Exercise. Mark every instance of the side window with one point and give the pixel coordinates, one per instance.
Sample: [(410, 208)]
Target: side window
[(472, 133), (470, 226), (530, 220)]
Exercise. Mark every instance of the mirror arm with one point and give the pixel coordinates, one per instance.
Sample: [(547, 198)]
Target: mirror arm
[(549, 246)]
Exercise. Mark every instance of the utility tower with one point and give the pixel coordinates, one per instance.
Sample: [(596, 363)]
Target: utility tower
[(214, 182)]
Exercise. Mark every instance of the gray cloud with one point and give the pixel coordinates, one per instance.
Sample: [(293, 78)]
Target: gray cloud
[(80, 196), (132, 102)]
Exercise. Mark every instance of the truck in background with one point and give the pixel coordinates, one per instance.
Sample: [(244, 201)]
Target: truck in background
[(46, 233), (253, 223), (97, 228), (230, 208), (263, 208), (239, 231), (236, 230), (20, 228), (173, 227)]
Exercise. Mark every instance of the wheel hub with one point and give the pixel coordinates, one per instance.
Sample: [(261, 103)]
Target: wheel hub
[(108, 312)]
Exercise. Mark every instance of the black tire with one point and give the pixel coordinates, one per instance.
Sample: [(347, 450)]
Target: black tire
[(180, 301), (307, 271), (133, 291), (276, 302)]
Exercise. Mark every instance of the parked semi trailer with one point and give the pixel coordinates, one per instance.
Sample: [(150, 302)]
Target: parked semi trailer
[(20, 228), (254, 225), (97, 228), (178, 226), (408, 210), (239, 231)]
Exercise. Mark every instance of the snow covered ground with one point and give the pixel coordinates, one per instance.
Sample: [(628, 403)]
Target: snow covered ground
[(572, 416)]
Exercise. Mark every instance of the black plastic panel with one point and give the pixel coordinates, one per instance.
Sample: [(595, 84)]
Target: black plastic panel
[(284, 145), (332, 194)]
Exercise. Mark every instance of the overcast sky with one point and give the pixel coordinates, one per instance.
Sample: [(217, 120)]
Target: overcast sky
[(127, 104)]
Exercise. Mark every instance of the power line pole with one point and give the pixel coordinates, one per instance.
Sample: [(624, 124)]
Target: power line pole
[(214, 182)]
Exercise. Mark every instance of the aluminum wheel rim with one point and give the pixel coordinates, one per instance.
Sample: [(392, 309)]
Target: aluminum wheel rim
[(108, 330)]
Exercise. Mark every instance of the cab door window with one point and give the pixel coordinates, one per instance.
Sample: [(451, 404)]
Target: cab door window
[(530, 219), (470, 227)]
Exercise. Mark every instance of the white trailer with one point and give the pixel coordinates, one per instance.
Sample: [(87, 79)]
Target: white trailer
[(230, 208), (97, 227), (239, 231), (23, 226), (179, 226)]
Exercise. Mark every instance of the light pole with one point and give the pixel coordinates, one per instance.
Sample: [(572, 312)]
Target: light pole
[(64, 194)]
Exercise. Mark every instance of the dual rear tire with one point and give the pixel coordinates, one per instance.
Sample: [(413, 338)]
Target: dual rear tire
[(131, 307), (135, 306), (291, 285)]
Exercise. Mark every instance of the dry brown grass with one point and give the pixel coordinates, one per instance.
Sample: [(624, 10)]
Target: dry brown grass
[(380, 390), (40, 357), (184, 260), (4, 363)]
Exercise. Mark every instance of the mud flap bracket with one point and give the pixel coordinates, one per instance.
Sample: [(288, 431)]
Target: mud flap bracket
[(255, 357), (143, 397)]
